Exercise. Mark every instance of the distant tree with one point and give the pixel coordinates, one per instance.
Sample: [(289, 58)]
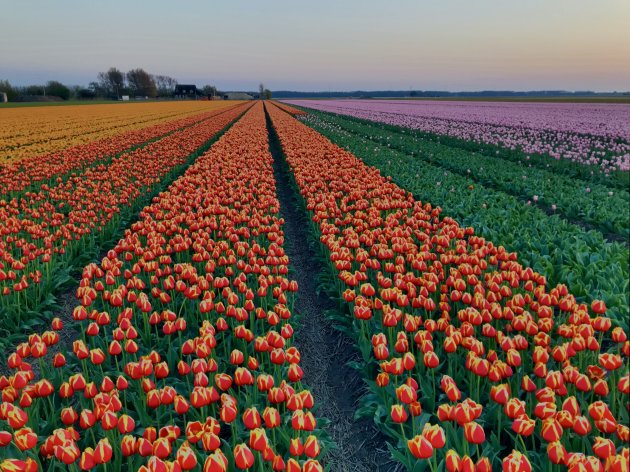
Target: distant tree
[(141, 83), (34, 90), (97, 90), (209, 90), (261, 91), (86, 93), (267, 94), (74, 91), (112, 82), (165, 85), (57, 89), (7, 88)]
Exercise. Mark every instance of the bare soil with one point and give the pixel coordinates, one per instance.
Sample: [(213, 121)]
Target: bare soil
[(326, 352)]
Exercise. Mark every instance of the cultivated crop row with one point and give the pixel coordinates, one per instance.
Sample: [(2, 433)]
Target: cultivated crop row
[(31, 172), (42, 232), (183, 357), (593, 205), (474, 360), (583, 133), (564, 252), (27, 132)]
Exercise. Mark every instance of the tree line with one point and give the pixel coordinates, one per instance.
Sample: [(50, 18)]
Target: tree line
[(111, 84), (52, 88)]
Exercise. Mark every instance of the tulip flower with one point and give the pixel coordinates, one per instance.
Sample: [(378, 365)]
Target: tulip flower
[(103, 452), (243, 457), (399, 414), (474, 433), (516, 462), (420, 447)]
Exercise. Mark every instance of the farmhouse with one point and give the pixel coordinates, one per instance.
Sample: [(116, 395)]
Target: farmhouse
[(186, 91)]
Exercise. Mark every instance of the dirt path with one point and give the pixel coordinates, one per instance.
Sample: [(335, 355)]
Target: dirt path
[(326, 351)]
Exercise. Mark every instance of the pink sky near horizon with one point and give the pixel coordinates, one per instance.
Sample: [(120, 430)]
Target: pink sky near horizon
[(325, 45)]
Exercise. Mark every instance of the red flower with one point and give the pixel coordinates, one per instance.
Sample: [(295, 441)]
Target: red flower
[(452, 461), (243, 457), (311, 447), (186, 457), (103, 452), (399, 414), (516, 462), (420, 447), (556, 452), (216, 462), (474, 433)]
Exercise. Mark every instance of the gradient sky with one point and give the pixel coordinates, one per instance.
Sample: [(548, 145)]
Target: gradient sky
[(324, 44)]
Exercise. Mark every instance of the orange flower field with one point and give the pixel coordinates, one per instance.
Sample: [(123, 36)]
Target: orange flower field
[(42, 230), (31, 173), (179, 344), (28, 132), (432, 303)]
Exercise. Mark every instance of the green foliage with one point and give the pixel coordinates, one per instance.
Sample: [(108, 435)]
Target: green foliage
[(7, 88), (591, 267), (165, 85), (57, 89), (210, 90), (111, 83), (141, 83), (589, 204)]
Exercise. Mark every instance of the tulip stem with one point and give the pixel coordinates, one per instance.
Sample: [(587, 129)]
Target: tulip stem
[(500, 415)]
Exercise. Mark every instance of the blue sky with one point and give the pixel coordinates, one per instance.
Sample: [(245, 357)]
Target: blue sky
[(324, 44)]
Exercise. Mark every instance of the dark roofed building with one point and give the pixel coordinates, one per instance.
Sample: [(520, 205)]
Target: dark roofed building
[(186, 91)]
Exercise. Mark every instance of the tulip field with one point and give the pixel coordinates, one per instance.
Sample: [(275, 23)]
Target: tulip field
[(591, 134), (477, 261)]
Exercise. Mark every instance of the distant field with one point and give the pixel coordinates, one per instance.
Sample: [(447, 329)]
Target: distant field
[(623, 100), (531, 99), (472, 259), (30, 131), (591, 133), (70, 102)]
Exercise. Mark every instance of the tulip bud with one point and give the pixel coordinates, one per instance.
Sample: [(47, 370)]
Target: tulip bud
[(420, 447), (243, 457), (103, 452)]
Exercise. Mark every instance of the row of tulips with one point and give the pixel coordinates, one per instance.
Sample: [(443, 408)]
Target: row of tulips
[(587, 134), (591, 266), (289, 109), (588, 204), (31, 173), (586, 173), (42, 232), (183, 359), (474, 361), (32, 131)]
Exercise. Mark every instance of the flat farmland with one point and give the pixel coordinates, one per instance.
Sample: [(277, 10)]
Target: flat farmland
[(302, 286), (29, 131)]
